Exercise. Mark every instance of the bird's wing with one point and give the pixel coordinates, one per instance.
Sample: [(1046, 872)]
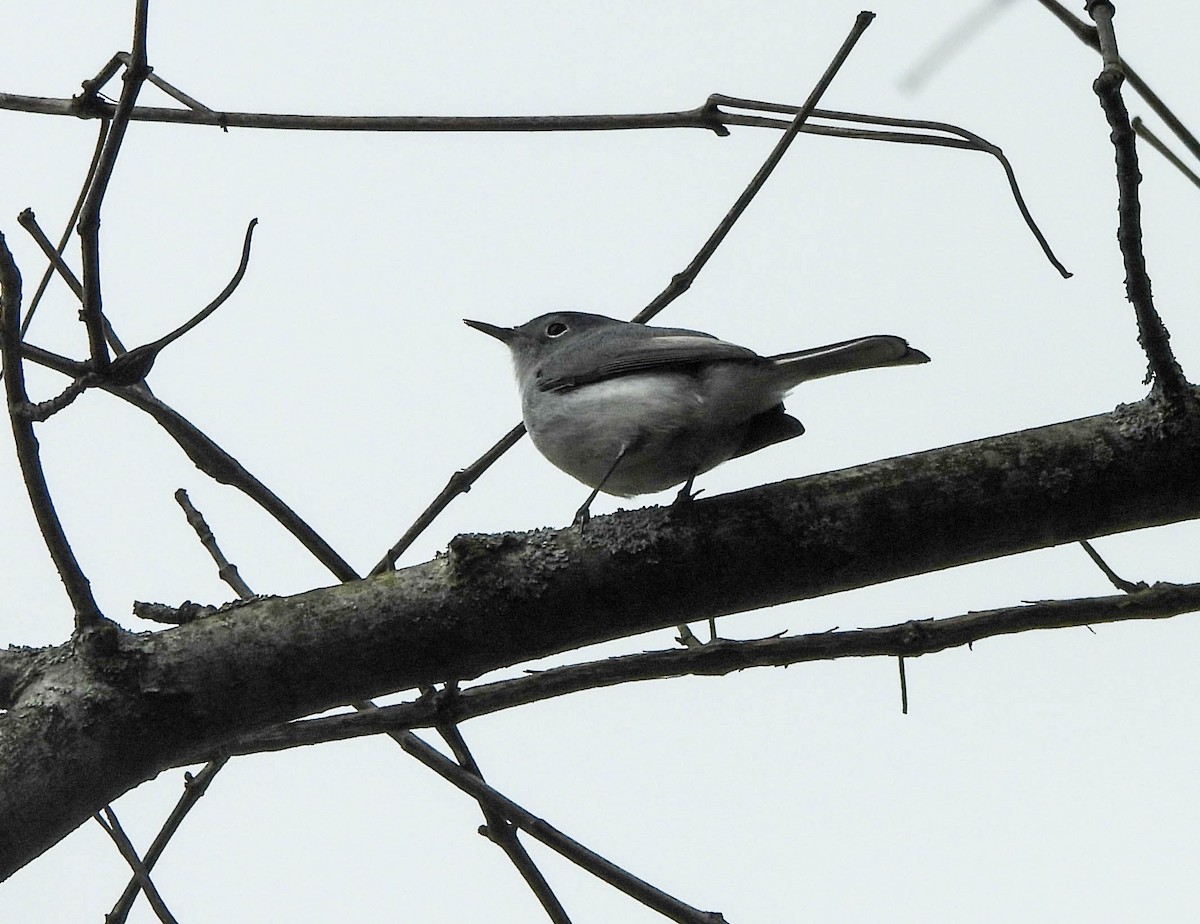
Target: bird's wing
[(593, 359)]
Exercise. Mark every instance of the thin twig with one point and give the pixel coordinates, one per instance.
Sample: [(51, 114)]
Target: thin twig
[(1164, 370), (903, 686), (90, 107), (92, 313), (501, 832), (971, 24), (141, 872), (1116, 580), (208, 457), (642, 891), (1159, 145), (135, 365), (173, 91), (28, 221), (79, 589), (682, 281), (965, 139), (1086, 33), (460, 483), (227, 571), (194, 788), (44, 410), (66, 235), (92, 88)]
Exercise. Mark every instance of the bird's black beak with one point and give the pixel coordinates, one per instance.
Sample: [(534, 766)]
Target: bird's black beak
[(503, 334)]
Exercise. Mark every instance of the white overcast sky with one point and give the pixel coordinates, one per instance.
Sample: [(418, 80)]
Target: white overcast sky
[(1045, 777)]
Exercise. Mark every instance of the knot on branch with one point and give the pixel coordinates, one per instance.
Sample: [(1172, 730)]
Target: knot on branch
[(1108, 85)]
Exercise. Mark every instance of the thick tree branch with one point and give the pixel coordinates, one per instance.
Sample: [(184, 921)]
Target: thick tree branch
[(909, 639), (120, 716)]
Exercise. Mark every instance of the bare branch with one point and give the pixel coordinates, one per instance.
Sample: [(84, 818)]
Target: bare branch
[(964, 139), (79, 589), (44, 410), (598, 866), (141, 873), (135, 365), (174, 92), (227, 570), (193, 788), (208, 457), (460, 483), (1159, 145), (682, 281), (1087, 34), (87, 107), (92, 313), (495, 601), (1116, 580), (1165, 371), (28, 221), (501, 832)]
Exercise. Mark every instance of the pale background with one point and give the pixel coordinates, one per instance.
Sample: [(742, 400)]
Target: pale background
[(1045, 777)]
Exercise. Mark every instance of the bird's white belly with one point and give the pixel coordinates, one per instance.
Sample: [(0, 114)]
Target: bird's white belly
[(658, 420)]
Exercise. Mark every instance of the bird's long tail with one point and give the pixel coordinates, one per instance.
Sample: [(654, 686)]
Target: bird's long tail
[(847, 356)]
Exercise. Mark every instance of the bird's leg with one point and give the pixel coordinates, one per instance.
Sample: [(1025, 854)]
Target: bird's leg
[(685, 494), (582, 515), (687, 638)]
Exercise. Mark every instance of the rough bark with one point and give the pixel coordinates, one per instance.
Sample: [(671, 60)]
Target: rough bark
[(87, 721)]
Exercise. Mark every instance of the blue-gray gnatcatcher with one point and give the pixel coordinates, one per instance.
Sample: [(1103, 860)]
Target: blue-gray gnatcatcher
[(629, 409)]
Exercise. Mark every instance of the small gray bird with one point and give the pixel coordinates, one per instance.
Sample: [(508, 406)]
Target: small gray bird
[(629, 409)]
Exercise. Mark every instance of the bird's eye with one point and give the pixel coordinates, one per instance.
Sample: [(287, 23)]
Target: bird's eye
[(556, 329)]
